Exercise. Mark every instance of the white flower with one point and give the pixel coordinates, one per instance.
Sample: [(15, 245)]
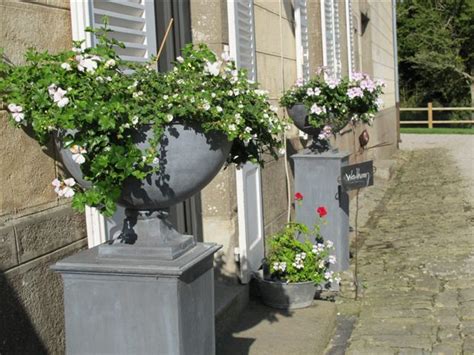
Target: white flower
[(180, 81), (66, 66), (108, 78), (64, 188), (206, 106), (328, 275), (52, 89), (355, 92), (110, 63), (180, 59), (299, 82), (213, 68), (16, 112), (317, 109), (87, 63), (213, 95), (310, 92), (248, 129), (332, 259), (155, 160), (357, 76), (230, 93), (99, 79), (236, 92), (332, 83), (226, 56), (219, 109), (137, 94), (134, 120), (316, 91), (58, 95), (274, 109), (329, 244), (322, 264), (169, 117), (337, 279), (232, 127), (261, 92), (78, 154)]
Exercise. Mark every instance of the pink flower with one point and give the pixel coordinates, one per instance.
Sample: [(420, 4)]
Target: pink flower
[(355, 92)]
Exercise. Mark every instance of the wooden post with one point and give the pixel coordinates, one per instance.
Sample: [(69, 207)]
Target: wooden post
[(430, 115)]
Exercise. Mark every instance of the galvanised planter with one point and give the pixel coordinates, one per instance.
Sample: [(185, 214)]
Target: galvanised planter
[(291, 295), (189, 159)]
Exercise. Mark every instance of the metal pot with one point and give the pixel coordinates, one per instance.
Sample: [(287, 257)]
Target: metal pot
[(291, 295)]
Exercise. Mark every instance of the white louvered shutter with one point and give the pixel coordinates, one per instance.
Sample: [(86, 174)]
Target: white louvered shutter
[(350, 37), (331, 38), (132, 22), (302, 40), (251, 248), (242, 35)]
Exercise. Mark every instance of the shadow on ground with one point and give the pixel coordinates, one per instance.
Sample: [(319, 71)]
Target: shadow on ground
[(17, 333)]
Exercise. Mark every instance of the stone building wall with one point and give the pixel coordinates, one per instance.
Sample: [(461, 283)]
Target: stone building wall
[(36, 229)]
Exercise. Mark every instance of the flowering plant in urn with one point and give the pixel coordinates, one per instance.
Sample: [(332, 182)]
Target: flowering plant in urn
[(116, 121), (322, 106)]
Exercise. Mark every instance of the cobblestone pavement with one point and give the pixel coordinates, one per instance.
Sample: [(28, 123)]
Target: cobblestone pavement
[(416, 265)]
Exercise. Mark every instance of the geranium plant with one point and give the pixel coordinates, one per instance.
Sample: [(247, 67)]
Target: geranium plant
[(93, 101), (294, 258), (332, 103)]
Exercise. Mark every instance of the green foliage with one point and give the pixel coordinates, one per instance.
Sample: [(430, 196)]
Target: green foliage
[(420, 130), (436, 51), (293, 260), (93, 101), (334, 102)]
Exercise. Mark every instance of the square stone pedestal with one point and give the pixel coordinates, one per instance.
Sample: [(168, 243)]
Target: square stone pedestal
[(316, 177), (139, 305)]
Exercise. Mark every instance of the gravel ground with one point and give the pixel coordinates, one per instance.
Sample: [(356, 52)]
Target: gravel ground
[(416, 263), (459, 146)]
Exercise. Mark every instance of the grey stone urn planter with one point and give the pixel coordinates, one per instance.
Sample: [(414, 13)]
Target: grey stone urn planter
[(152, 289), (189, 159), (299, 115), (283, 295)]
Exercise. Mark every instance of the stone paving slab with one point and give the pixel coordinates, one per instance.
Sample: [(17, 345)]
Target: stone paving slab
[(263, 330), (416, 263)]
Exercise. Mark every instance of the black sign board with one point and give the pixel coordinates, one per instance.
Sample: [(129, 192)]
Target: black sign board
[(356, 176)]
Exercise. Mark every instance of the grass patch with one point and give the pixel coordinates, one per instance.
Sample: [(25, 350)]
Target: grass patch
[(422, 130)]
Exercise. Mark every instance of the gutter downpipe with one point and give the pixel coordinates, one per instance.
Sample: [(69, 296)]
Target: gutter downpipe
[(395, 59)]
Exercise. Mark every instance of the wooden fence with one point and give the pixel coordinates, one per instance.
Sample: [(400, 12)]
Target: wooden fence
[(430, 110)]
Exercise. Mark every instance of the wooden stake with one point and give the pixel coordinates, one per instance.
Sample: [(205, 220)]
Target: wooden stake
[(164, 40)]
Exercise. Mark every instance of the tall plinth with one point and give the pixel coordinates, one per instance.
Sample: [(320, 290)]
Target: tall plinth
[(317, 177), (139, 304)]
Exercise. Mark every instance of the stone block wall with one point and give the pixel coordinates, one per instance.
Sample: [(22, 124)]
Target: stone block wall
[(36, 229)]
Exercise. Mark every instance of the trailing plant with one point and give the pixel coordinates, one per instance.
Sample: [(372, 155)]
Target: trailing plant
[(294, 258), (332, 103), (93, 101)]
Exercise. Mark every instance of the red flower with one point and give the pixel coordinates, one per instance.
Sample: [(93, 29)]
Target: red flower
[(321, 210), (298, 196)]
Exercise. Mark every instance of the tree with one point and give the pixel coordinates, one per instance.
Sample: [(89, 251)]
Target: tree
[(436, 51)]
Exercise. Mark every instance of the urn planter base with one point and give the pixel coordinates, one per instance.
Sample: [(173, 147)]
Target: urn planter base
[(138, 305)]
